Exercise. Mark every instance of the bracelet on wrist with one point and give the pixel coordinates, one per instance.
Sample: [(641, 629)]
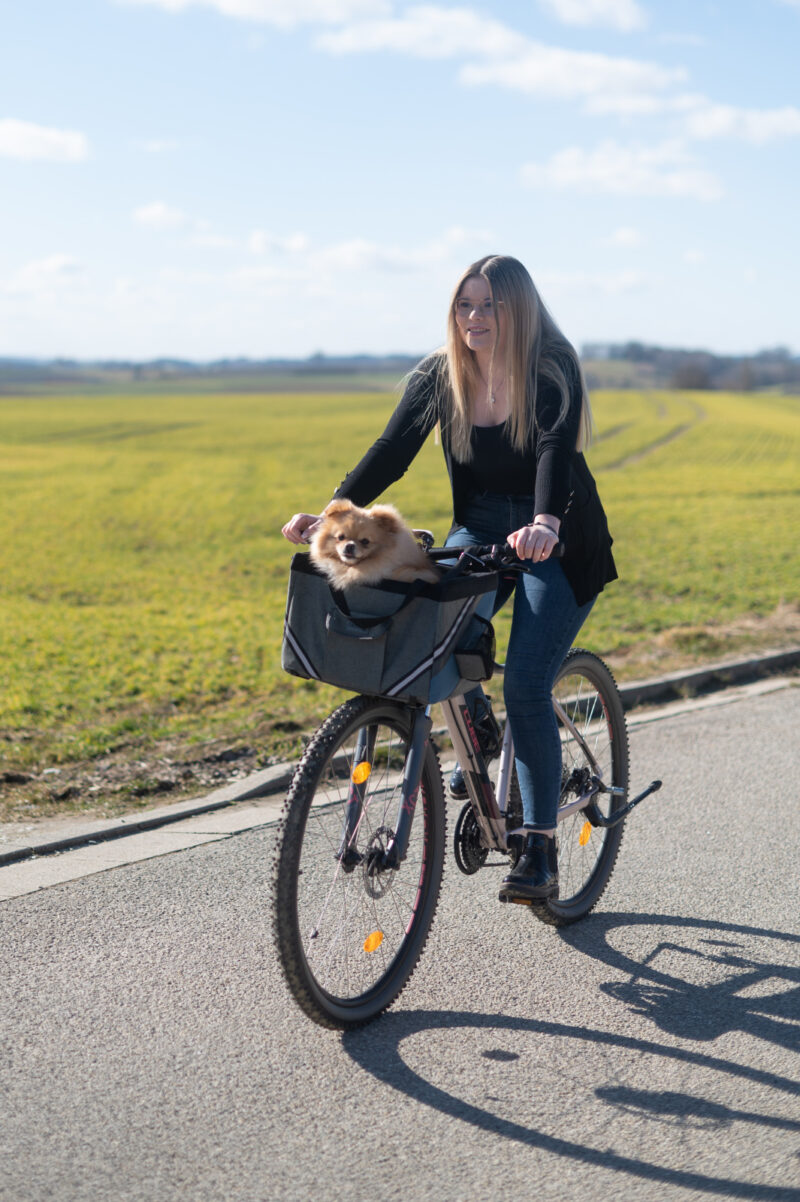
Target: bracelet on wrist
[(544, 526)]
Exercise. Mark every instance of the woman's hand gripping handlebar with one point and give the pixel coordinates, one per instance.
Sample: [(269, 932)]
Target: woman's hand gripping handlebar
[(490, 558)]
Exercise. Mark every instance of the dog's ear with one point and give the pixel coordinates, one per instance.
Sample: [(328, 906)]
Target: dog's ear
[(387, 517), (338, 506)]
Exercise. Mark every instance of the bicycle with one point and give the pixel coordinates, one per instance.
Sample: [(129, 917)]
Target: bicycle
[(361, 844)]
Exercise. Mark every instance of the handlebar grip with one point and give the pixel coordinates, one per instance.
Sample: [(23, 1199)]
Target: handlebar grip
[(506, 556), (490, 556)]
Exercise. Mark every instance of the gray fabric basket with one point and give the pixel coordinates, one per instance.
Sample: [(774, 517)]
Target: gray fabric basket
[(392, 639)]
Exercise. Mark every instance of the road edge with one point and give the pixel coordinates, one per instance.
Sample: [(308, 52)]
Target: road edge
[(269, 781)]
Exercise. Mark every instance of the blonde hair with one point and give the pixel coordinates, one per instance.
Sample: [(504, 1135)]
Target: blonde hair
[(535, 350)]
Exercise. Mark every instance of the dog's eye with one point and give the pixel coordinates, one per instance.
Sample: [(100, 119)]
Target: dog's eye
[(341, 536), (364, 542)]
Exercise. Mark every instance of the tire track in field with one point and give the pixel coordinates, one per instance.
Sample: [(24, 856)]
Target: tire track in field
[(112, 432), (658, 443), (612, 431)]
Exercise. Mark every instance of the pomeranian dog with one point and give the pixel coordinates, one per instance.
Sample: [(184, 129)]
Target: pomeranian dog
[(363, 546)]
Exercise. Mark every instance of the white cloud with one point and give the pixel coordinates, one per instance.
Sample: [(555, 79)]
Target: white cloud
[(700, 118), (282, 13), (359, 254), (42, 277), (159, 216), (203, 235), (292, 257), (711, 120), (427, 31), (643, 104), (551, 71), (624, 15), (664, 170), (494, 53), (24, 140), (262, 243), (625, 236), (500, 55)]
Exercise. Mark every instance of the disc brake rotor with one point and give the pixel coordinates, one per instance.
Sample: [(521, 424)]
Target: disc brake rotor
[(377, 877)]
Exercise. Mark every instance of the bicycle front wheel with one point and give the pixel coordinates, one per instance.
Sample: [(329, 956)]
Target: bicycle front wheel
[(349, 932), (594, 740)]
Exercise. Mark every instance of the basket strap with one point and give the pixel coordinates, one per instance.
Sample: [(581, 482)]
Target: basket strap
[(366, 623)]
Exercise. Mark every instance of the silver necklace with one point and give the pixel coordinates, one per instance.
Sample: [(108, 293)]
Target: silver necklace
[(492, 397)]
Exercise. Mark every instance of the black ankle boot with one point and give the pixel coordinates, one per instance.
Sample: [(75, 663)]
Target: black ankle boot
[(535, 876), (489, 740)]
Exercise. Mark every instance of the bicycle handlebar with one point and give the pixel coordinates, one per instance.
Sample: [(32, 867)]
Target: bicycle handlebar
[(488, 558)]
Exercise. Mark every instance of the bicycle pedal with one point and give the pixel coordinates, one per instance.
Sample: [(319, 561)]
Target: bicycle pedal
[(540, 902)]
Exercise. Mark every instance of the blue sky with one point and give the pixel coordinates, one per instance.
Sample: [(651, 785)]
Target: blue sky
[(279, 177)]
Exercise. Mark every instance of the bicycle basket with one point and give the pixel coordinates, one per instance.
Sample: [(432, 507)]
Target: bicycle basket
[(392, 639)]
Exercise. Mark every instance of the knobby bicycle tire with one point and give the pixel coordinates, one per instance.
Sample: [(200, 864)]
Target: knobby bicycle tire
[(587, 852), (348, 937)]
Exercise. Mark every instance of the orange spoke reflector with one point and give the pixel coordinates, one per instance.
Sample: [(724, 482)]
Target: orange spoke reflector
[(373, 941), (361, 772), (586, 833)]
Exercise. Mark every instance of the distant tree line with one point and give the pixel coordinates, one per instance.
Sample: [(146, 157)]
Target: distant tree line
[(664, 367), (607, 365)]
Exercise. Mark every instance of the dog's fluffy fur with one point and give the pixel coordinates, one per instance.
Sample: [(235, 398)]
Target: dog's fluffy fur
[(363, 546)]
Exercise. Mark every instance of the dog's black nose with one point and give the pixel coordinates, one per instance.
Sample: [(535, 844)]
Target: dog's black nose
[(350, 548)]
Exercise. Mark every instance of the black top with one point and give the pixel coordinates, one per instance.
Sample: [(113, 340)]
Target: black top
[(551, 470), (496, 465)]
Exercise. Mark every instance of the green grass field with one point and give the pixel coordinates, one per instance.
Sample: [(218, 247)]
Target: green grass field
[(144, 574)]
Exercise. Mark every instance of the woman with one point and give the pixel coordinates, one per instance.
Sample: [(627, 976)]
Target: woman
[(509, 396)]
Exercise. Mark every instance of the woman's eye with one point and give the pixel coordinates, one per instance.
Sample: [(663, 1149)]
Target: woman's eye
[(465, 307)]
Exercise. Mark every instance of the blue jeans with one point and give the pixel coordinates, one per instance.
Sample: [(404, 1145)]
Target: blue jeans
[(544, 625)]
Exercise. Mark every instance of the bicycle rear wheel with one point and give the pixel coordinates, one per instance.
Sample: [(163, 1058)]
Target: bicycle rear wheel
[(348, 932), (597, 743)]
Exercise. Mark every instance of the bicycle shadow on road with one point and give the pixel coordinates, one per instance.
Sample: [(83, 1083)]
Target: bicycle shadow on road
[(726, 953), (699, 978)]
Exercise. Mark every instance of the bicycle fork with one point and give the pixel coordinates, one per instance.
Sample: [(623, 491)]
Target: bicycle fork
[(395, 852)]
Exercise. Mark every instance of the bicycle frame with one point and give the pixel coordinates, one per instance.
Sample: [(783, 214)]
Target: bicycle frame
[(489, 804)]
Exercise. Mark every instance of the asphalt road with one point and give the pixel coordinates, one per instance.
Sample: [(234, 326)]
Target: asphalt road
[(149, 1050)]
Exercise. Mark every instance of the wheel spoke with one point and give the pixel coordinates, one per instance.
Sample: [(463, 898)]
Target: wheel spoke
[(586, 693), (359, 926)]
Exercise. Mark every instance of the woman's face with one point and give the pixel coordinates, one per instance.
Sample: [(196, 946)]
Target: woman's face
[(479, 318)]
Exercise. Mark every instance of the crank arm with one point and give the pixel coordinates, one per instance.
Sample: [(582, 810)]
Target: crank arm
[(598, 819)]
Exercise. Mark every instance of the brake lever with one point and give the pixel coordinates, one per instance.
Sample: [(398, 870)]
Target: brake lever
[(501, 555)]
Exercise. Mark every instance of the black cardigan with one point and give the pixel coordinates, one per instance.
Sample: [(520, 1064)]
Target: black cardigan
[(561, 482)]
